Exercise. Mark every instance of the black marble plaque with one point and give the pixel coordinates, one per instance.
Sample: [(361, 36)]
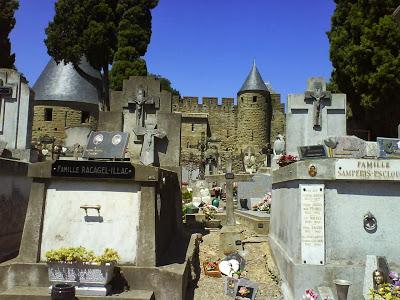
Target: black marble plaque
[(310, 152), (92, 169), (106, 145)]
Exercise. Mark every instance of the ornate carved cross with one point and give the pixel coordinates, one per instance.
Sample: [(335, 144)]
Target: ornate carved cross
[(318, 96), (149, 132), (140, 100)]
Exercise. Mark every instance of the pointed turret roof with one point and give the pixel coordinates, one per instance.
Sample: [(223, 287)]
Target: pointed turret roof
[(254, 81), (63, 83)]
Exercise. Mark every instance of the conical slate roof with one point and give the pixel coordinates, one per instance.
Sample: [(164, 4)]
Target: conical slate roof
[(63, 83), (254, 81)]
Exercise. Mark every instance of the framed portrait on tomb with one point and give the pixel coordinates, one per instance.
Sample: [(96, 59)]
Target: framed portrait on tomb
[(246, 290)]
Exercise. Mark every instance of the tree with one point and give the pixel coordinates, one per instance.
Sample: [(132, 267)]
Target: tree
[(7, 23), (365, 54), (166, 84), (134, 32), (94, 29)]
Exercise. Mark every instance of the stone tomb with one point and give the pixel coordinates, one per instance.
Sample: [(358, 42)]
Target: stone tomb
[(142, 101), (314, 115), (321, 227), (255, 189), (132, 208), (16, 111)]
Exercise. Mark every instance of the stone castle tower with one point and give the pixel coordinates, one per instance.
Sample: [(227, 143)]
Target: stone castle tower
[(254, 113)]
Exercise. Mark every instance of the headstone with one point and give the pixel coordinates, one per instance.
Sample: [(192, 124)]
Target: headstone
[(388, 148), (346, 146), (314, 116), (106, 145), (150, 133), (260, 185), (312, 224), (16, 109), (310, 152)]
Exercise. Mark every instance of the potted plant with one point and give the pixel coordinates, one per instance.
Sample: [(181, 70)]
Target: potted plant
[(81, 267), (210, 212)]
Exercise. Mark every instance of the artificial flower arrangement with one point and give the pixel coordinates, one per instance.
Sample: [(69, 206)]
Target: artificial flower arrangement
[(264, 204), (388, 291), (310, 294), (211, 268), (210, 212), (285, 160)]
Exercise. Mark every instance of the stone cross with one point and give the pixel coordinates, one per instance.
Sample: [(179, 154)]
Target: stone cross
[(149, 132), (318, 95), (229, 176), (139, 100)]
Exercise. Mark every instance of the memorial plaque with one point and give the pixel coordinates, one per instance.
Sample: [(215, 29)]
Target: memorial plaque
[(367, 169), (312, 224), (106, 145), (92, 169), (310, 152), (388, 148)]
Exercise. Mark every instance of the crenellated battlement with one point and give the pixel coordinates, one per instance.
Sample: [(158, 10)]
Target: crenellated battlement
[(207, 104)]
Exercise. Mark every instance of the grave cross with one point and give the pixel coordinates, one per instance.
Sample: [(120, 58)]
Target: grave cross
[(139, 100), (149, 132), (318, 95), (229, 176)]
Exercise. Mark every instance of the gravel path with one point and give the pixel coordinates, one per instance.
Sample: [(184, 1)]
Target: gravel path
[(259, 268)]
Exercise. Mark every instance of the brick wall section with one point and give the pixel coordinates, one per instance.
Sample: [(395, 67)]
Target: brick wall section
[(63, 118)]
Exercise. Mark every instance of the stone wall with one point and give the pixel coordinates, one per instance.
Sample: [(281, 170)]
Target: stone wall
[(64, 116), (223, 125), (14, 197)]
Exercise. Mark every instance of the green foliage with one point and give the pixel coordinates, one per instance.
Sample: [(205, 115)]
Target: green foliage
[(81, 254), (7, 23), (106, 32), (133, 36), (365, 53), (186, 195), (166, 84)]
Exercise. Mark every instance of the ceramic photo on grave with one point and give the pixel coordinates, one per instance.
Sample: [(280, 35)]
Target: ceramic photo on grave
[(246, 290)]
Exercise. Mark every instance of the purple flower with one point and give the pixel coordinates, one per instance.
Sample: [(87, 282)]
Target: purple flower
[(394, 275)]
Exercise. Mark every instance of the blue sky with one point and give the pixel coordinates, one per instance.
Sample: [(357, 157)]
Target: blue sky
[(206, 47)]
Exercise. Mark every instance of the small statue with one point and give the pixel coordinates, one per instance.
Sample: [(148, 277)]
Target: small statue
[(378, 278), (279, 145), (249, 161)]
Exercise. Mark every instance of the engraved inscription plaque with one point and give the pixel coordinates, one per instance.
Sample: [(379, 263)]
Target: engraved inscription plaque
[(312, 224)]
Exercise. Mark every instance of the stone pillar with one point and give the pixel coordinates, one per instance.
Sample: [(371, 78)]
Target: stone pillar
[(230, 215)]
